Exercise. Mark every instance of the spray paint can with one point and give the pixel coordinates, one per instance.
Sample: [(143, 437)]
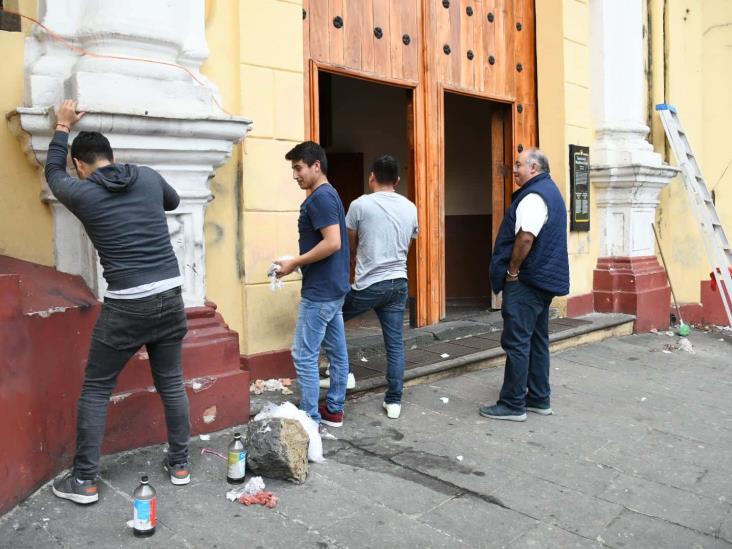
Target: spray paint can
[(237, 461), (144, 509)]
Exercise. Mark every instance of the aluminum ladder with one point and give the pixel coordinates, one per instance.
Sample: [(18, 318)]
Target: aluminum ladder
[(716, 244)]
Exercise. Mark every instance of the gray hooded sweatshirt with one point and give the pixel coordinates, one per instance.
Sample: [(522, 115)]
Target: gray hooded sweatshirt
[(122, 208)]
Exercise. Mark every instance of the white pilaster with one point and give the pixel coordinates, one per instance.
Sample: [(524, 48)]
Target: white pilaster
[(626, 173), (154, 114)]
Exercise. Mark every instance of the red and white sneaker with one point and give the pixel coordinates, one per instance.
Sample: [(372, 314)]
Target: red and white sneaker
[(334, 419)]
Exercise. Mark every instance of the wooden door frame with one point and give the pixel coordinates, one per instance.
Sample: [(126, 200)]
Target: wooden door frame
[(501, 193), (418, 257)]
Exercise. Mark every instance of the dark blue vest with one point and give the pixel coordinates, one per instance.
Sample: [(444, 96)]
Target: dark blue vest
[(547, 265)]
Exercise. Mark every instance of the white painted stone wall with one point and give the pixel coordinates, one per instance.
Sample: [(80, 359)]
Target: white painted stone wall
[(627, 174), (154, 114)]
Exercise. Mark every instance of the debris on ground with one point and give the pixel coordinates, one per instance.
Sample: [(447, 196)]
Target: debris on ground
[(204, 437), (214, 453), (278, 448), (290, 411), (364, 359), (268, 499), (459, 458), (253, 486), (444, 355), (270, 385), (444, 400), (685, 345), (682, 344)]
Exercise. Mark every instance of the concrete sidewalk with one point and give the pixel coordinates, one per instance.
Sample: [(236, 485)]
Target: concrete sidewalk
[(636, 455)]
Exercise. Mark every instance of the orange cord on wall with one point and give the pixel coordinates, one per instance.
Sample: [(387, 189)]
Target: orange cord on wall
[(58, 38)]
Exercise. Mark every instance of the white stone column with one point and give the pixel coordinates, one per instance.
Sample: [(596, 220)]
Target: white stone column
[(627, 174), (155, 114)]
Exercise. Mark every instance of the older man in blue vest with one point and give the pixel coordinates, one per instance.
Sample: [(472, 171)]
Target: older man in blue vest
[(530, 266)]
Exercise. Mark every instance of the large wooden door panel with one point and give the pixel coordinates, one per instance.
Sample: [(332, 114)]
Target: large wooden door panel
[(411, 51)]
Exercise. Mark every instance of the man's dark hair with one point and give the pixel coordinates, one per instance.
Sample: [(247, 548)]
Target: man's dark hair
[(309, 152), (386, 170), (90, 147)]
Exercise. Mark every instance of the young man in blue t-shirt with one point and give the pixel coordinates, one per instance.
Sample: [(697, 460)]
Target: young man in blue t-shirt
[(325, 264)]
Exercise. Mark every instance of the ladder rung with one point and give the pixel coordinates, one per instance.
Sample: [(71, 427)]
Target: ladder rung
[(713, 235)]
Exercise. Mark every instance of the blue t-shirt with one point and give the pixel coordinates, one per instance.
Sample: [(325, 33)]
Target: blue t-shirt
[(327, 279)]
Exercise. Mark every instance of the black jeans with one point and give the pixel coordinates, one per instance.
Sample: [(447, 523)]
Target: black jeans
[(123, 326), (525, 339)]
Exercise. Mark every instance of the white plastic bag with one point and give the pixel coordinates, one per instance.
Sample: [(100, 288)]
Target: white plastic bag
[(287, 410), (253, 486), (274, 282)]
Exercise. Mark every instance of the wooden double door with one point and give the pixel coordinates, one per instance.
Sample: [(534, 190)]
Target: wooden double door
[(484, 49)]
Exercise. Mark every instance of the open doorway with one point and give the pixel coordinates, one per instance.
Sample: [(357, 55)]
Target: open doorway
[(358, 121), (475, 184)]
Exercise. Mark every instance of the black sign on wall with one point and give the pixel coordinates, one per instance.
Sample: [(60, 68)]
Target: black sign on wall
[(579, 181)]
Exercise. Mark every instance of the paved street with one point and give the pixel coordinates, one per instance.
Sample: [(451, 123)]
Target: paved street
[(636, 455)]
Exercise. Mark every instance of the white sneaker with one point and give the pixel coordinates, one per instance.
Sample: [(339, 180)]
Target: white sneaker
[(392, 410), (350, 384)]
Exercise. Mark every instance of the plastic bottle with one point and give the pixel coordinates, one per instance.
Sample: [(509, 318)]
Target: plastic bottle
[(144, 509), (237, 461)]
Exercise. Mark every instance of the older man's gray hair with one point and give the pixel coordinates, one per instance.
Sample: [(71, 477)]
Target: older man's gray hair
[(535, 156)]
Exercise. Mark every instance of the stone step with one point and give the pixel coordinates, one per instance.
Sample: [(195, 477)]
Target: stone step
[(466, 350)]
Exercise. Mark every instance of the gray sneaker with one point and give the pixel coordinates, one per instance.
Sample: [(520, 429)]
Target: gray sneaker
[(69, 487), (179, 474), (501, 411)]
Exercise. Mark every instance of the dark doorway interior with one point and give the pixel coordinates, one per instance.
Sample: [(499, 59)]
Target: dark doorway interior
[(360, 120), (468, 199)]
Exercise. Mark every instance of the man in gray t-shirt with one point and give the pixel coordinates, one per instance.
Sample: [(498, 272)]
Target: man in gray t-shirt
[(381, 227)]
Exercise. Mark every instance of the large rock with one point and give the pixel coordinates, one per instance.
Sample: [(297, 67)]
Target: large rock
[(278, 448)]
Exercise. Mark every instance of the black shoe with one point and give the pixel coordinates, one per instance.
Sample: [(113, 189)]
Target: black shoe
[(501, 411), (179, 474), (82, 492), (543, 409)]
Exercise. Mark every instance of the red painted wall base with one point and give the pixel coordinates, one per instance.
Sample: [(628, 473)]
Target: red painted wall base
[(709, 311), (46, 319), (635, 286), (580, 305), (273, 364)]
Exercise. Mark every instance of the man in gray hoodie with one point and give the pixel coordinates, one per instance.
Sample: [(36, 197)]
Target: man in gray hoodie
[(122, 208)]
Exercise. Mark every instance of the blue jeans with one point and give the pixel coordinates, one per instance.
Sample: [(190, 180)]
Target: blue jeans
[(387, 298), (123, 326), (320, 322), (525, 339)]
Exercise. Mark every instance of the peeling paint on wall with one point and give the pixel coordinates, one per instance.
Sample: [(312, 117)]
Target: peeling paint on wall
[(119, 397), (200, 383), (49, 312), (209, 415)]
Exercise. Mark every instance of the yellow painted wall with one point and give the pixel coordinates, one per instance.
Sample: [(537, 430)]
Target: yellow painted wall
[(256, 61), (565, 113), (698, 82), (26, 230), (222, 217), (272, 94)]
